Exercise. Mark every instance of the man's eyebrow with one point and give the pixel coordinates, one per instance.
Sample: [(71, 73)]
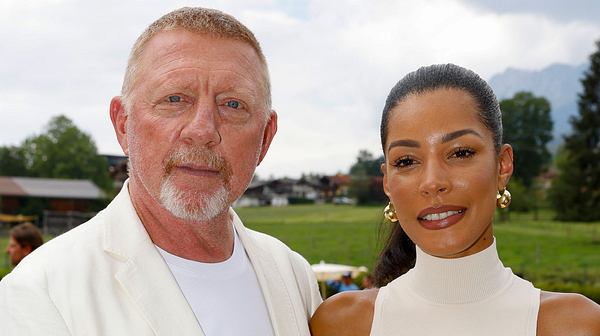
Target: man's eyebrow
[(456, 134), (404, 143)]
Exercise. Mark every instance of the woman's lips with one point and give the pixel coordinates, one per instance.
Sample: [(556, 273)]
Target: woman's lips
[(440, 217)]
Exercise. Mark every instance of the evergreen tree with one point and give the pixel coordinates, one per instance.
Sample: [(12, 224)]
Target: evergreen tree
[(575, 192)]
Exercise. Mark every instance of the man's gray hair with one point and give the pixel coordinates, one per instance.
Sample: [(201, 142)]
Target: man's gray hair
[(199, 20)]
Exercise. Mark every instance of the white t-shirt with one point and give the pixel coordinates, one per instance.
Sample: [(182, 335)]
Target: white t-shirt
[(225, 297)]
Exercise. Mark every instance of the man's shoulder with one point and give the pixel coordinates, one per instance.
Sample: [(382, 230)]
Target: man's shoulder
[(82, 236)]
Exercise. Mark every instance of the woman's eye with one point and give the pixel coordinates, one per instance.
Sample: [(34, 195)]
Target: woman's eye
[(404, 162), (463, 153), (174, 99), (234, 104)]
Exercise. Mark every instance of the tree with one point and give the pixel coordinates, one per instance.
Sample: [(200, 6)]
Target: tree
[(366, 185), (367, 164), (12, 161), (528, 128), (575, 192), (64, 151)]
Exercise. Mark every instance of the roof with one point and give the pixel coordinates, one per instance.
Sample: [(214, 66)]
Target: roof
[(49, 188)]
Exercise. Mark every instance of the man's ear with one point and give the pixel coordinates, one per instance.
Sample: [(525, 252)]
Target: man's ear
[(505, 166), (118, 116), (268, 135), (27, 248)]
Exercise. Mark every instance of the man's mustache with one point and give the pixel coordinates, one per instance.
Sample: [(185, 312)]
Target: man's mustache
[(198, 156)]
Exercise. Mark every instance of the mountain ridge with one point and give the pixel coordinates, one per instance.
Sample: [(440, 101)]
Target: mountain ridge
[(559, 83)]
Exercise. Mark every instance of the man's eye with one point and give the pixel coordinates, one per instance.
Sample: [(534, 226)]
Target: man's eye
[(174, 99), (233, 104)]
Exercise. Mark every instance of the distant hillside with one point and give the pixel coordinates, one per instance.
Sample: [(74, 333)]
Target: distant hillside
[(559, 83)]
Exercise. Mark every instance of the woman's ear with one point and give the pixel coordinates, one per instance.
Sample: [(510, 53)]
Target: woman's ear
[(505, 165), (386, 189)]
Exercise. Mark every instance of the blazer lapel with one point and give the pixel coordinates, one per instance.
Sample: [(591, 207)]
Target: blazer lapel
[(148, 282), (273, 286), (143, 274)]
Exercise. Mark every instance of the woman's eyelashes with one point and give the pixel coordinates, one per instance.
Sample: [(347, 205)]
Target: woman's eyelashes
[(409, 161), (405, 161), (462, 153)]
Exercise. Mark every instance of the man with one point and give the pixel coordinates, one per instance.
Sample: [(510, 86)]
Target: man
[(345, 284), (23, 239), (168, 256)]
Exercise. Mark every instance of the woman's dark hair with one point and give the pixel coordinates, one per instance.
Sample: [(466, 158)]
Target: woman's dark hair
[(398, 255)]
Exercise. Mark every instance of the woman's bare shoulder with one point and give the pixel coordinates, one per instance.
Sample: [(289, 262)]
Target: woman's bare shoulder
[(568, 314), (348, 313)]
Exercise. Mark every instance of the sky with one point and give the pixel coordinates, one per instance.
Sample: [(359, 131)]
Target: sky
[(332, 63)]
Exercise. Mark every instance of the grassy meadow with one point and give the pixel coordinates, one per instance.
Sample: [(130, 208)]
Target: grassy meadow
[(553, 255)]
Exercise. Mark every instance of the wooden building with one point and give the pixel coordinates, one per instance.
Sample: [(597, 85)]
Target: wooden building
[(61, 194)]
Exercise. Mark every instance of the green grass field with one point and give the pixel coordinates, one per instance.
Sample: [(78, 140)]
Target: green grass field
[(552, 254)]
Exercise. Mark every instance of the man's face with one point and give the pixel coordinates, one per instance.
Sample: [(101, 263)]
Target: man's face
[(198, 123), (16, 252)]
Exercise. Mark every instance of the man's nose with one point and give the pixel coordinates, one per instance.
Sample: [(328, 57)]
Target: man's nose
[(202, 126)]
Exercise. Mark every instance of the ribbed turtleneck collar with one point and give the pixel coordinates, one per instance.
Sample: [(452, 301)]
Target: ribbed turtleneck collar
[(462, 280)]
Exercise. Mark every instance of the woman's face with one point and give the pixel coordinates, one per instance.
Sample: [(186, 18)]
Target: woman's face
[(442, 172)]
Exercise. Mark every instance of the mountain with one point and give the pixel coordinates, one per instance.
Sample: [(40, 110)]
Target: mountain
[(559, 83)]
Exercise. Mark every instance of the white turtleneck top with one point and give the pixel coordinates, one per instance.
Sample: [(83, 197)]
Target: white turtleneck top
[(473, 295)]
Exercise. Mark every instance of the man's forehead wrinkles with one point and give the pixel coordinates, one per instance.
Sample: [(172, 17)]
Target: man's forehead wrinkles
[(221, 78)]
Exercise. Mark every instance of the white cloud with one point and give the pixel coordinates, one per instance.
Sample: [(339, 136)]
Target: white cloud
[(332, 63)]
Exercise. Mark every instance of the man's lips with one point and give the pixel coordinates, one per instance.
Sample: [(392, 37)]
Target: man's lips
[(441, 217), (195, 169)]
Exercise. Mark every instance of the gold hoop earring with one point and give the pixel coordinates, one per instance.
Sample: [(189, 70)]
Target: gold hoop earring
[(390, 213), (503, 200)]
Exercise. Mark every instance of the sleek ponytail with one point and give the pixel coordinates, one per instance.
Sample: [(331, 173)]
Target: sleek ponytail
[(398, 256)]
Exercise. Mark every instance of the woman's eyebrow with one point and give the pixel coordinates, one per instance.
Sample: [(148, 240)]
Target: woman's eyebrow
[(445, 138), (456, 134), (404, 143)]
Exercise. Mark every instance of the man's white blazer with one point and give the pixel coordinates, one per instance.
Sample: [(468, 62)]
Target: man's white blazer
[(106, 277)]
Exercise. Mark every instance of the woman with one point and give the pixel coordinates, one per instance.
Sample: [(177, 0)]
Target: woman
[(445, 171)]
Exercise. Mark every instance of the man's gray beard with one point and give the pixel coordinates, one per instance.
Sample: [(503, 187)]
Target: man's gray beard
[(192, 207)]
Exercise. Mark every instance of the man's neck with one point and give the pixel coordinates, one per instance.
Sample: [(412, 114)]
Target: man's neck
[(207, 241)]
